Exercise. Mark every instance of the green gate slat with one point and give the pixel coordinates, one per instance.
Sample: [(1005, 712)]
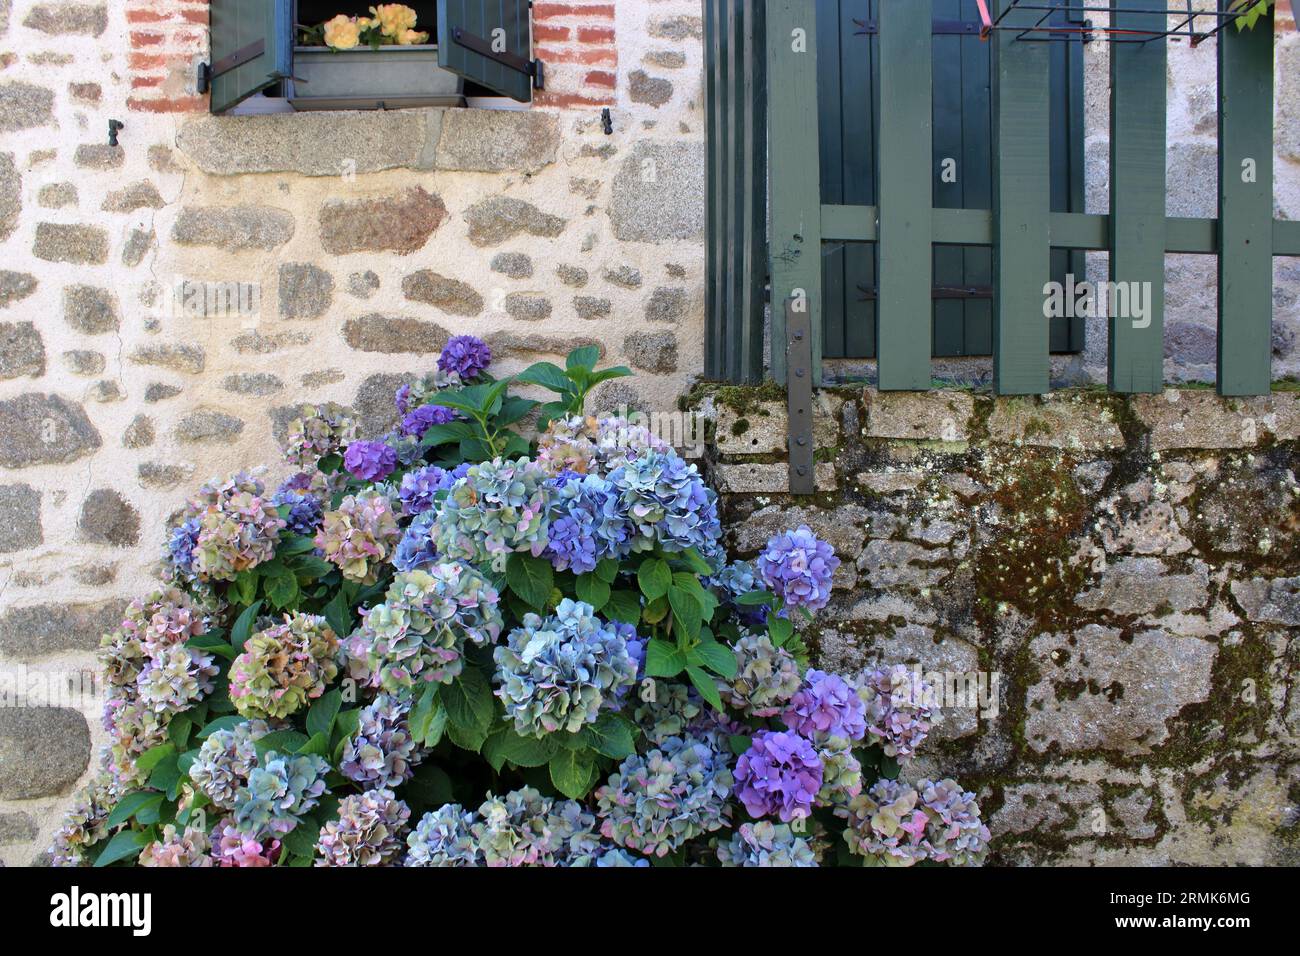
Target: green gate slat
[(1137, 198), (795, 244), (949, 261), (1245, 209), (713, 363), (734, 183), (1021, 204), (903, 314), (755, 182), (831, 157)]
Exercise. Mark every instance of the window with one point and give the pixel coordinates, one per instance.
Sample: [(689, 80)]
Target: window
[(475, 48)]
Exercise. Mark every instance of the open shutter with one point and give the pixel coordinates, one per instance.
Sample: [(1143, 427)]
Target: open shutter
[(489, 42), (252, 48)]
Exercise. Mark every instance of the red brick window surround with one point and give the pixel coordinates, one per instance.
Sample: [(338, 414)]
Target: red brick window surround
[(167, 38), (575, 39)]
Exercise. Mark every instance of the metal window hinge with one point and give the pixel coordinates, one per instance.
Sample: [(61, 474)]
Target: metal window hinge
[(799, 398), (210, 71), (514, 61)]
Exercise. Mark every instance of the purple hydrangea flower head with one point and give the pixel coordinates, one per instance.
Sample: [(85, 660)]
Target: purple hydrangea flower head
[(418, 420), (370, 460), (382, 752), (798, 568), (419, 487), (466, 356), (826, 706), (416, 549), (780, 774), (305, 510), (402, 398), (180, 546)]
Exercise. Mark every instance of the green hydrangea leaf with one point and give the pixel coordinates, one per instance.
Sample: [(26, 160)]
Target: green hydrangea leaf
[(320, 718), (706, 685), (530, 578), (124, 844), (572, 772), (623, 606), (655, 578), (593, 590)]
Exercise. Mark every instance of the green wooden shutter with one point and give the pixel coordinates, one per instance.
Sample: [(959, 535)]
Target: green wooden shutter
[(847, 85), (252, 48), (489, 42)]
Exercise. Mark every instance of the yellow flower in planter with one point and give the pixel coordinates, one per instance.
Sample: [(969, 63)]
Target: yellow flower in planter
[(395, 19), (343, 32), (412, 38)]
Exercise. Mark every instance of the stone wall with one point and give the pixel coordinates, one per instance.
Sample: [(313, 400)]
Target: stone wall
[(1128, 571), (319, 257)]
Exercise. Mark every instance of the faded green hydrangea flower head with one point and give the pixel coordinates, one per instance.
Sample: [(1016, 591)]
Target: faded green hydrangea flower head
[(369, 831), (360, 535), (186, 848), (283, 667), (420, 631), (766, 677), (766, 844)]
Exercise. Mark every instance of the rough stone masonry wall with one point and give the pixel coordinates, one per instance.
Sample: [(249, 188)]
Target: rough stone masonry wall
[(371, 237), (1129, 568)]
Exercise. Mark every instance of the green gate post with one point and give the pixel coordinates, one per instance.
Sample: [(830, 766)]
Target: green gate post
[(906, 150), (1137, 199), (1021, 204), (795, 246), (1245, 209)]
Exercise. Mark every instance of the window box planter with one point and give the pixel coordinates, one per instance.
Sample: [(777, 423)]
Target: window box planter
[(391, 77)]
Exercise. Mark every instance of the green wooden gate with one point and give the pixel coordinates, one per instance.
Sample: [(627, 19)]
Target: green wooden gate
[(921, 234), (962, 166)]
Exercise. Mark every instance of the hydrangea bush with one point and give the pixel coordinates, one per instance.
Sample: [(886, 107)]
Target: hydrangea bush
[(451, 645)]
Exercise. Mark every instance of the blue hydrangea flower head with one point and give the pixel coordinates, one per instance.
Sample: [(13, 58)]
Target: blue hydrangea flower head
[(556, 673)]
